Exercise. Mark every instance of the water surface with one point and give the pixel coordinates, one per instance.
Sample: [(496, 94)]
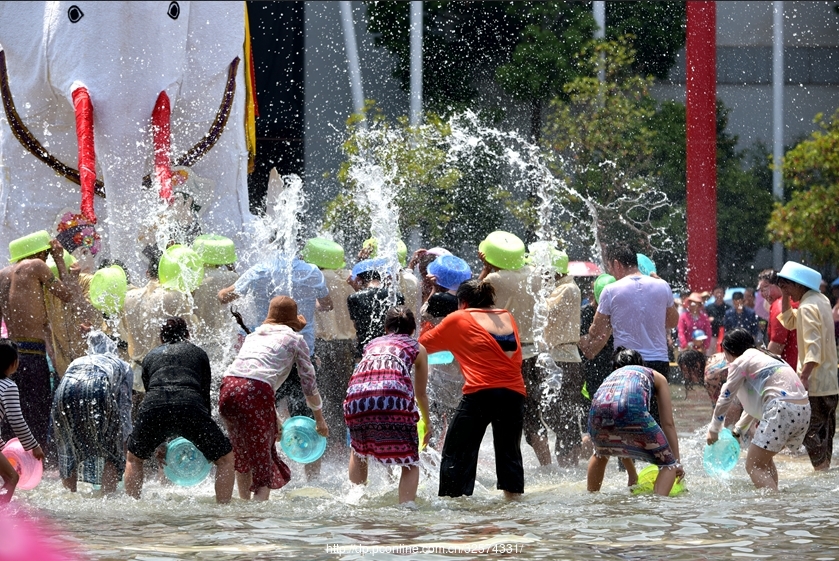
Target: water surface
[(556, 519)]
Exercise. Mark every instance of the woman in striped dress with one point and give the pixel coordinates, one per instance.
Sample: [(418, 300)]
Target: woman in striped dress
[(10, 413), (380, 409)]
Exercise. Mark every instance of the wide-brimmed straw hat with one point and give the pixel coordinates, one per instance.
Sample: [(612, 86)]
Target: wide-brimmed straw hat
[(283, 311)]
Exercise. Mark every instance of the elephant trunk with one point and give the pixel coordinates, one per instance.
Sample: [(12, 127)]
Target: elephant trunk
[(87, 154), (161, 118)]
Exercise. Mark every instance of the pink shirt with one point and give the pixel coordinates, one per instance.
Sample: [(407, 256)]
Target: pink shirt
[(688, 323)]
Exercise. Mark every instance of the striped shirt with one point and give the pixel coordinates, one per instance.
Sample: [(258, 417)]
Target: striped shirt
[(10, 410)]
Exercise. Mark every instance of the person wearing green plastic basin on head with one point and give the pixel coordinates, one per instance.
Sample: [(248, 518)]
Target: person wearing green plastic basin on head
[(515, 284), (215, 332), (597, 368), (561, 407), (816, 367), (22, 287), (620, 424), (771, 392), (409, 285), (334, 338), (144, 310)]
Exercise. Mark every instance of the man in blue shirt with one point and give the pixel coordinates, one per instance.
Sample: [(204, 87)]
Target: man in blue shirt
[(739, 315)]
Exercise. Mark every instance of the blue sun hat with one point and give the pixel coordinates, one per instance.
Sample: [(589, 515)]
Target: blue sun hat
[(699, 335), (378, 263), (450, 271), (645, 264), (805, 276)]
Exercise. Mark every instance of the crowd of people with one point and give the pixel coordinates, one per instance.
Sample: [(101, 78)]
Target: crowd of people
[(518, 346)]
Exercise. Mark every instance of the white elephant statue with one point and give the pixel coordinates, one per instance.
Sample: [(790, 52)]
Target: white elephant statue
[(127, 61)]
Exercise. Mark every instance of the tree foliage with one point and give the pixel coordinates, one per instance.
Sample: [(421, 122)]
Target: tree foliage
[(601, 136), (461, 43), (809, 221), (625, 154), (656, 29), (529, 48), (544, 59), (450, 201)]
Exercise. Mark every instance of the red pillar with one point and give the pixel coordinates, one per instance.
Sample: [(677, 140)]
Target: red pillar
[(701, 144)]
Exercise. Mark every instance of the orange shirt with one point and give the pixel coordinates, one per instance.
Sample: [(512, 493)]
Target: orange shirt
[(483, 363)]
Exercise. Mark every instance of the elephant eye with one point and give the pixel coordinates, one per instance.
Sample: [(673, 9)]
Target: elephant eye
[(75, 14), (174, 10)]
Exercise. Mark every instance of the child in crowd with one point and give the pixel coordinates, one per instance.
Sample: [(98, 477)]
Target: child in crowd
[(10, 413), (445, 381), (770, 391), (381, 405), (692, 364)]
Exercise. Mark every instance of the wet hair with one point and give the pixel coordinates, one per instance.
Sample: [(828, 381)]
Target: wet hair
[(692, 360), (368, 276), (476, 294), (8, 355), (623, 254), (769, 275), (400, 320), (174, 330), (738, 341), (737, 295), (626, 357), (153, 254)]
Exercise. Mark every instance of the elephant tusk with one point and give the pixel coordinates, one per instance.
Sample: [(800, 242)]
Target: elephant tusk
[(209, 140), (87, 152), (31, 143), (161, 134)]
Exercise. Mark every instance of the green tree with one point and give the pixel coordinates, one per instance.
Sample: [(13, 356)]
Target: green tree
[(625, 154), (809, 221), (656, 31), (744, 187), (529, 48), (461, 43), (544, 60), (601, 138), (450, 201)]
